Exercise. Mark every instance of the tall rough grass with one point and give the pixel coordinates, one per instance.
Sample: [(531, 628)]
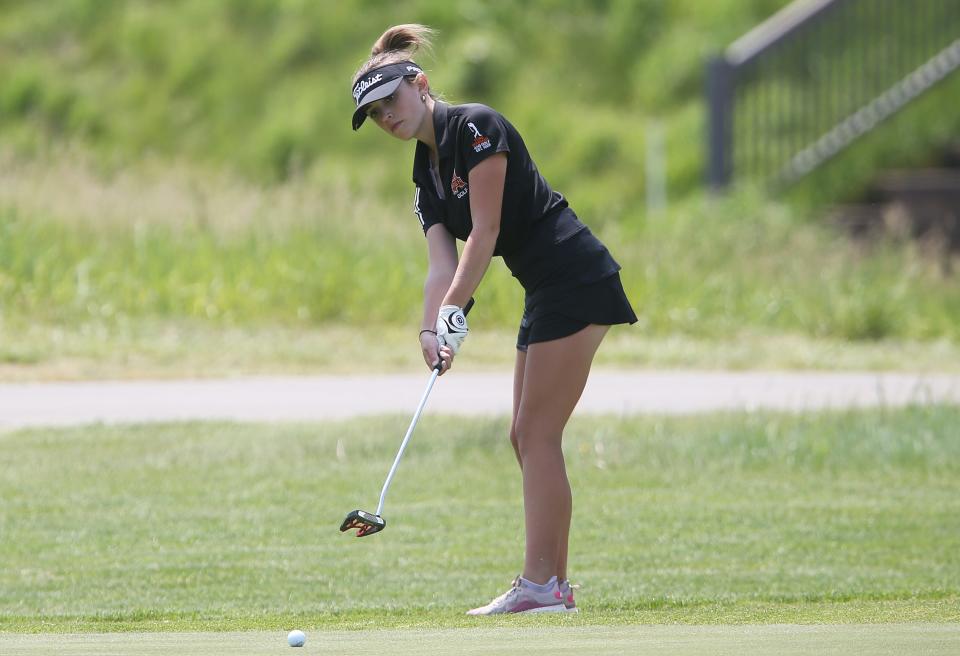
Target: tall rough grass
[(311, 251)]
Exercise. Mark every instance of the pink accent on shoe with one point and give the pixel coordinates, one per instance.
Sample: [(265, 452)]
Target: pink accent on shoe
[(558, 595), (568, 602), (524, 606)]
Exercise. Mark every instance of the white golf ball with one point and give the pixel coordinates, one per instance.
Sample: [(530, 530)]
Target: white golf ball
[(296, 638)]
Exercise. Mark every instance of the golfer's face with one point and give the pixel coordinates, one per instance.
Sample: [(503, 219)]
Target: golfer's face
[(398, 114)]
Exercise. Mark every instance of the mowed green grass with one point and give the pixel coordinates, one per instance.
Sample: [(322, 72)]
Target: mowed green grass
[(784, 640), (737, 519)]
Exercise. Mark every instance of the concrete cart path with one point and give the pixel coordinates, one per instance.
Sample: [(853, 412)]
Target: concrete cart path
[(311, 398)]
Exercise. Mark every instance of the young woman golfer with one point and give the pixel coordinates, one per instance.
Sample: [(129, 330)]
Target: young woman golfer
[(475, 181)]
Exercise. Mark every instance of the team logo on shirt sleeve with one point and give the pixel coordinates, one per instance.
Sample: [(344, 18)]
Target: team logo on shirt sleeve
[(480, 142), (458, 186)]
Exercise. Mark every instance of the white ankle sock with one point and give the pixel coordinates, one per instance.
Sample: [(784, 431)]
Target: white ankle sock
[(536, 587)]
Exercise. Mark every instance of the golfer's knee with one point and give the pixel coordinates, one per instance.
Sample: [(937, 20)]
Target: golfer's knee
[(529, 439), (514, 440)]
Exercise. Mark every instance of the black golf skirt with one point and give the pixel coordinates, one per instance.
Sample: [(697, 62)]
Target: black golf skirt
[(562, 310), (570, 278)]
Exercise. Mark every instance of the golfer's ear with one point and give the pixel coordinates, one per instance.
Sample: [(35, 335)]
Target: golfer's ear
[(422, 83)]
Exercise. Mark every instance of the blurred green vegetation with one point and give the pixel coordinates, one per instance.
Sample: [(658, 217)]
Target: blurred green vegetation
[(243, 106), (711, 268), (262, 86)]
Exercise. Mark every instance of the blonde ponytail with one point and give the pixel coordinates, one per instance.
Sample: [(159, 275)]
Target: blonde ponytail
[(406, 39), (397, 44)]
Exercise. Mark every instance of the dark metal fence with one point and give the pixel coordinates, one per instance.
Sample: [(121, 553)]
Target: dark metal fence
[(802, 86)]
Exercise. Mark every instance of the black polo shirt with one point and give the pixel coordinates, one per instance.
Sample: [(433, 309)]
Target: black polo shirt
[(466, 135)]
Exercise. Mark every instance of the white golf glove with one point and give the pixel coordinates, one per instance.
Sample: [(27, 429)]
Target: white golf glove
[(451, 327)]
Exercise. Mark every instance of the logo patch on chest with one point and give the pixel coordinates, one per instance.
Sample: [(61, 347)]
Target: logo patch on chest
[(458, 186)]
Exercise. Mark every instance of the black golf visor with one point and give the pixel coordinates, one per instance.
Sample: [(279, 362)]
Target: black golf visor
[(379, 83)]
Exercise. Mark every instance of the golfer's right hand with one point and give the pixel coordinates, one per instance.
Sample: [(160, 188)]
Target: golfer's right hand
[(433, 352)]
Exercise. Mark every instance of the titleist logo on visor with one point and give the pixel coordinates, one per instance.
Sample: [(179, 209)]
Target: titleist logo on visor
[(363, 85), (382, 75)]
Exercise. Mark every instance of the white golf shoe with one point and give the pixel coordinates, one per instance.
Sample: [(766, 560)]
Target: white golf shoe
[(523, 598)]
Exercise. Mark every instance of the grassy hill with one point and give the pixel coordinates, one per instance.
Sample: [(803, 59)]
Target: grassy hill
[(261, 87), (193, 160)]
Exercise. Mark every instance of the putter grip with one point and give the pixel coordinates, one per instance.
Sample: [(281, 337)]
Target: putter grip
[(466, 311)]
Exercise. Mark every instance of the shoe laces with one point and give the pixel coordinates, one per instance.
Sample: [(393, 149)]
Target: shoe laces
[(514, 589)]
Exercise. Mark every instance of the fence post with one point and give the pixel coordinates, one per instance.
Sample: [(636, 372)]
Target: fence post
[(719, 122)]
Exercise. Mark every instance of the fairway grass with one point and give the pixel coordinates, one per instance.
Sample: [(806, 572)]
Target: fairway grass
[(658, 612), (783, 640), (727, 519)]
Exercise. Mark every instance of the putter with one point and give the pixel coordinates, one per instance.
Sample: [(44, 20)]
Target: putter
[(370, 523)]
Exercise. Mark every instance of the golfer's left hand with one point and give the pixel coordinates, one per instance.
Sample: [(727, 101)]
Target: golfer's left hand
[(451, 327)]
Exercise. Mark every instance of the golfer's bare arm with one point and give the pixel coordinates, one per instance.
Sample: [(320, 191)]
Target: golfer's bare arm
[(442, 265), (486, 202)]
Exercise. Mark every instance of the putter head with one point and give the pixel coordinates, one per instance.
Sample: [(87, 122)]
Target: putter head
[(365, 523)]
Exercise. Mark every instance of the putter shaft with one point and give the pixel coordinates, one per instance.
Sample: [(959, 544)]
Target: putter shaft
[(406, 438), (364, 522)]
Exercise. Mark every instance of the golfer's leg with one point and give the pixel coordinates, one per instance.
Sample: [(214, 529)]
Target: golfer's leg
[(517, 390), (554, 376)]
